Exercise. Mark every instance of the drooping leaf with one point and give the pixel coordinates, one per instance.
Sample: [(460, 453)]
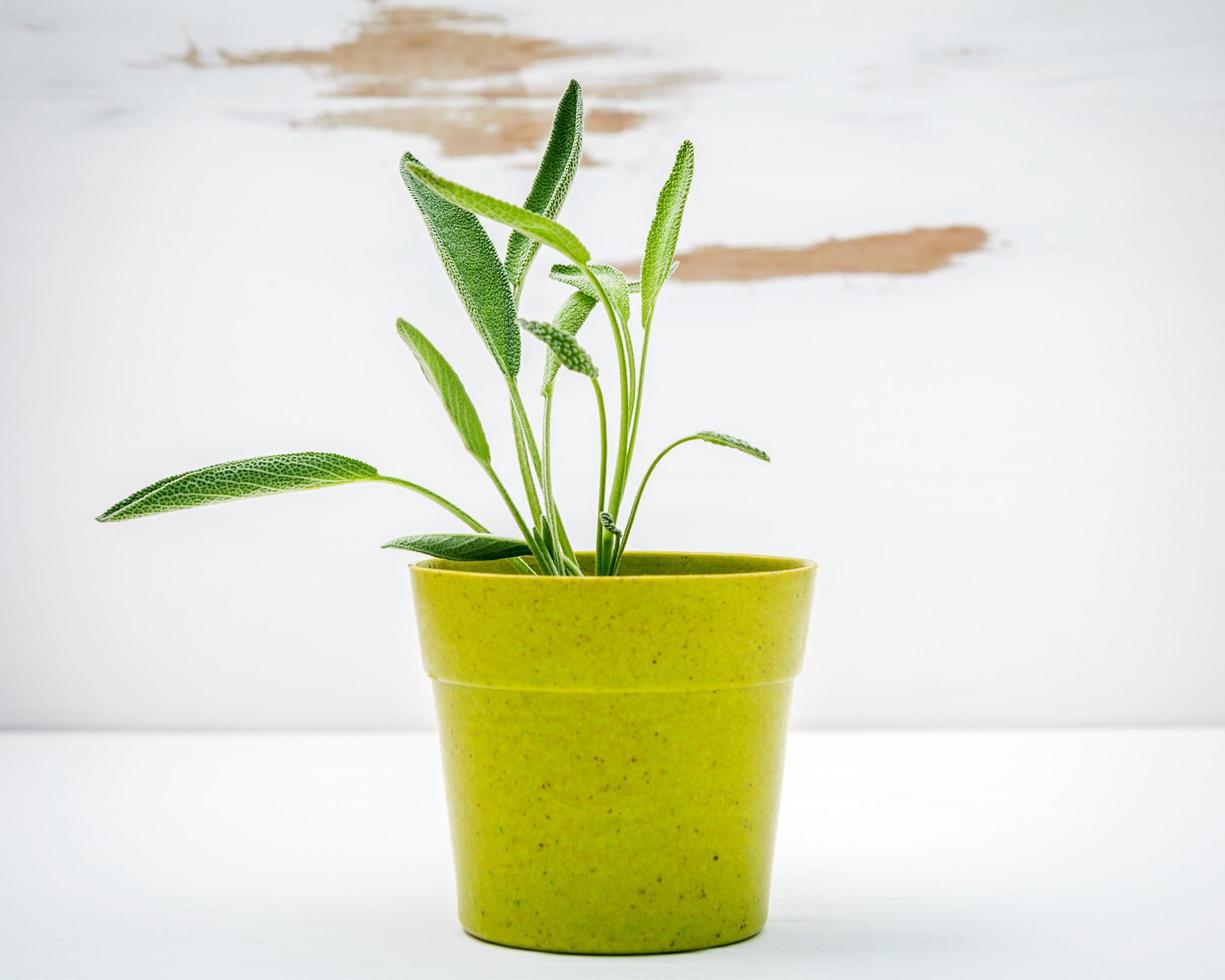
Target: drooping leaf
[(450, 389), (612, 279), (462, 547), (255, 477), (606, 522), (731, 442), (570, 318), (473, 265), (535, 226), (665, 229), (553, 179), (563, 345)]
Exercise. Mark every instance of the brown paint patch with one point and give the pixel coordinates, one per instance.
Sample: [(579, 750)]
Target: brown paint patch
[(896, 253), (397, 50), (467, 130), (421, 65)]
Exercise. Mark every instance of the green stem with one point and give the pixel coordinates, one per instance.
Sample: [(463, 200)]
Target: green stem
[(441, 501), (525, 469), (546, 483), (459, 512), (629, 524), (520, 413), (642, 373), (529, 538), (622, 466), (600, 534)]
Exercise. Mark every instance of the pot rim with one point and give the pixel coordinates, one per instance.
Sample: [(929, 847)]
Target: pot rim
[(782, 565)]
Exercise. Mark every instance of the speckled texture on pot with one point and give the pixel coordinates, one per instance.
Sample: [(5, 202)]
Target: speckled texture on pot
[(613, 747)]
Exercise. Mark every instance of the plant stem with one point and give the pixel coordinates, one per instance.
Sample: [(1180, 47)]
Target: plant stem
[(619, 471), (520, 414), (629, 524), (529, 538), (525, 468), (642, 373), (599, 528), (441, 501), (546, 484), (463, 515)]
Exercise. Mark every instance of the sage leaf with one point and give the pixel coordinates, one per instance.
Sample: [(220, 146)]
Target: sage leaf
[(461, 547), (613, 280), (731, 442), (563, 345), (473, 265), (534, 226), (570, 318), (256, 477), (665, 229), (553, 179), (450, 390), (606, 522)]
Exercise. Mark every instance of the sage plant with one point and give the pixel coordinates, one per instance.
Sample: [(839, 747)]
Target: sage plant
[(490, 287)]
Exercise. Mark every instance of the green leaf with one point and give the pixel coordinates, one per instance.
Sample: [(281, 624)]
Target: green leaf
[(570, 318), (563, 345), (613, 280), (731, 442), (606, 522), (535, 226), (462, 547), (665, 229), (473, 265), (553, 179), (255, 477), (450, 389)]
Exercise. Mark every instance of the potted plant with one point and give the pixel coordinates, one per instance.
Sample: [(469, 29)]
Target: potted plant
[(612, 722)]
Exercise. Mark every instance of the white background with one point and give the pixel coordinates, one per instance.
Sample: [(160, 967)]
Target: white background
[(1011, 470)]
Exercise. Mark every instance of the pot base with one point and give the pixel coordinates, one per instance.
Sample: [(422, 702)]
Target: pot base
[(599, 950)]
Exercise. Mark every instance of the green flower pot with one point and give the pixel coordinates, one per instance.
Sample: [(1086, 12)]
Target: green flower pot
[(613, 747)]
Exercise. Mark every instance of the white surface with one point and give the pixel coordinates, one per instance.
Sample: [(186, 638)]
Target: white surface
[(1010, 471), (324, 857)]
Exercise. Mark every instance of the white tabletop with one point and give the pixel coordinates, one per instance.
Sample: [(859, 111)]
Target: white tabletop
[(954, 854)]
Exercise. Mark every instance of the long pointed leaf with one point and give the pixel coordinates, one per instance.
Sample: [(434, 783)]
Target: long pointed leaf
[(570, 318), (462, 547), (665, 229), (731, 442), (450, 389), (533, 225), (241, 478), (473, 265), (553, 179), (612, 279), (563, 345)]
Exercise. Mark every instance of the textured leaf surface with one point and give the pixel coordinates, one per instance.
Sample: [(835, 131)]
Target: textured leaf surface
[(553, 179), (606, 522), (731, 442), (462, 547), (563, 345), (533, 225), (570, 318), (255, 477), (474, 267), (612, 279), (450, 389), (665, 229)]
